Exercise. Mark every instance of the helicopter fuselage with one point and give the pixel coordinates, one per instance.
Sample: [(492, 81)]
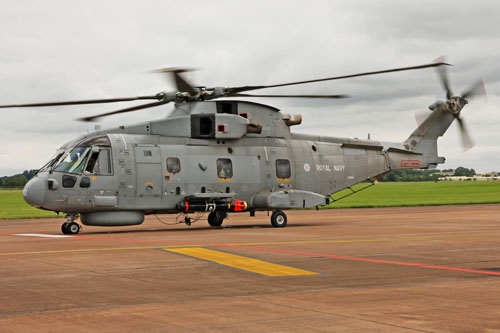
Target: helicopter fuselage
[(114, 177)]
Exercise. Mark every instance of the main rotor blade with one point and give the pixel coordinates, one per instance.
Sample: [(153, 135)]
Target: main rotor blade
[(476, 89), (180, 82), (248, 88), (467, 142), (290, 96), (133, 108), (89, 101)]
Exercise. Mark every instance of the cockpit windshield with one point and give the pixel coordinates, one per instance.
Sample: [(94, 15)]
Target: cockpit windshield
[(74, 161), (51, 162)]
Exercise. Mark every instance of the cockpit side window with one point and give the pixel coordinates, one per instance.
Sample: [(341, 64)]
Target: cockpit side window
[(105, 162), (92, 164), (99, 162)]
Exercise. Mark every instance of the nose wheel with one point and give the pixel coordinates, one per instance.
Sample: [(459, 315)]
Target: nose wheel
[(278, 219), (70, 227)]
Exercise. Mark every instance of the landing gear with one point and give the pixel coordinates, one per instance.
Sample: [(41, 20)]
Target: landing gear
[(216, 218), (278, 219), (70, 227)]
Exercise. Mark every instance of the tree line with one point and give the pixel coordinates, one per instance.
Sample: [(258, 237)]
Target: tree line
[(17, 181), (418, 175)]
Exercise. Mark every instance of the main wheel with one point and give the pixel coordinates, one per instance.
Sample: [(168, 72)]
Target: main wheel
[(215, 219), (64, 228), (70, 228), (278, 219)]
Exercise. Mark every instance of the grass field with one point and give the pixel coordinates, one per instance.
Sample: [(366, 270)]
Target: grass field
[(420, 194), (12, 205)]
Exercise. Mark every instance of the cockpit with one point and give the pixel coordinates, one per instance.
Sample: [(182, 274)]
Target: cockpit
[(90, 156)]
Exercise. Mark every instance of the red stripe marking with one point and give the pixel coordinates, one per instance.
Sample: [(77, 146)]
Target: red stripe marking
[(410, 163), (366, 260)]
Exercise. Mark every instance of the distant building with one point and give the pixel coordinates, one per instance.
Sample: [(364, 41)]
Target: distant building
[(473, 178), (487, 174), (446, 173)]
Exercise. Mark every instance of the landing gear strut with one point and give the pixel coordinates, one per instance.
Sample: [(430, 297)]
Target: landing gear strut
[(216, 218), (70, 227), (278, 219)]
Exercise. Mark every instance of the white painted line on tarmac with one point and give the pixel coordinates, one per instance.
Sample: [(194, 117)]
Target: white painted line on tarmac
[(43, 235)]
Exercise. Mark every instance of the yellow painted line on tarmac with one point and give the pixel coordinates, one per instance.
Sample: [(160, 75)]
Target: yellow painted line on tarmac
[(88, 250), (240, 262)]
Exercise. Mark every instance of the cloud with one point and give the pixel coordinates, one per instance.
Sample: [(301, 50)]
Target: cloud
[(62, 50)]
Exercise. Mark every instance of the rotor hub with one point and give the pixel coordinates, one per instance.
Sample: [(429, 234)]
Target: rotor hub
[(455, 104)]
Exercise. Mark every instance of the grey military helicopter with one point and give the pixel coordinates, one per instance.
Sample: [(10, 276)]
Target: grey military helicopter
[(221, 156)]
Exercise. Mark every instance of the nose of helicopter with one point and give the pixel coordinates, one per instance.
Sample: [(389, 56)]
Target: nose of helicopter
[(34, 192)]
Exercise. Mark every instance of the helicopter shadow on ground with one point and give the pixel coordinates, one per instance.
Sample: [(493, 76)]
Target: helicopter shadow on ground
[(194, 229)]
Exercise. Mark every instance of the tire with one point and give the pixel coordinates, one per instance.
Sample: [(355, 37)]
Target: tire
[(278, 219), (215, 219), (73, 228), (64, 228)]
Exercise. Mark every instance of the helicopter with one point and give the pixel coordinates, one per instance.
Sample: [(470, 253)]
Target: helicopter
[(220, 156)]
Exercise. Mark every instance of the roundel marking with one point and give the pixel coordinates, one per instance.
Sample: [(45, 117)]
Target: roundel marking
[(307, 167)]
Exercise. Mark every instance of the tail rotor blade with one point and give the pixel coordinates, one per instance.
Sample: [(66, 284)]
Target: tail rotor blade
[(443, 76), (420, 118), (476, 89), (467, 142)]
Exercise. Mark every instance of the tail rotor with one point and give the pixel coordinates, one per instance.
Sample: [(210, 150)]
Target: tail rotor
[(455, 104)]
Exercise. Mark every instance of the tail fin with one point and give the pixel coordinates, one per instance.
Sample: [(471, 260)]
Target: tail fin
[(424, 138)]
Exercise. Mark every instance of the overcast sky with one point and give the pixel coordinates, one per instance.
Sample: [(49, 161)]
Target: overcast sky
[(64, 50)]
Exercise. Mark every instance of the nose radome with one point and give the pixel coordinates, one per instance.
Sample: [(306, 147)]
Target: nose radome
[(34, 192)]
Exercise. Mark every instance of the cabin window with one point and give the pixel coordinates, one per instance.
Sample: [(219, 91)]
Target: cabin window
[(283, 168), (173, 165), (224, 168)]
